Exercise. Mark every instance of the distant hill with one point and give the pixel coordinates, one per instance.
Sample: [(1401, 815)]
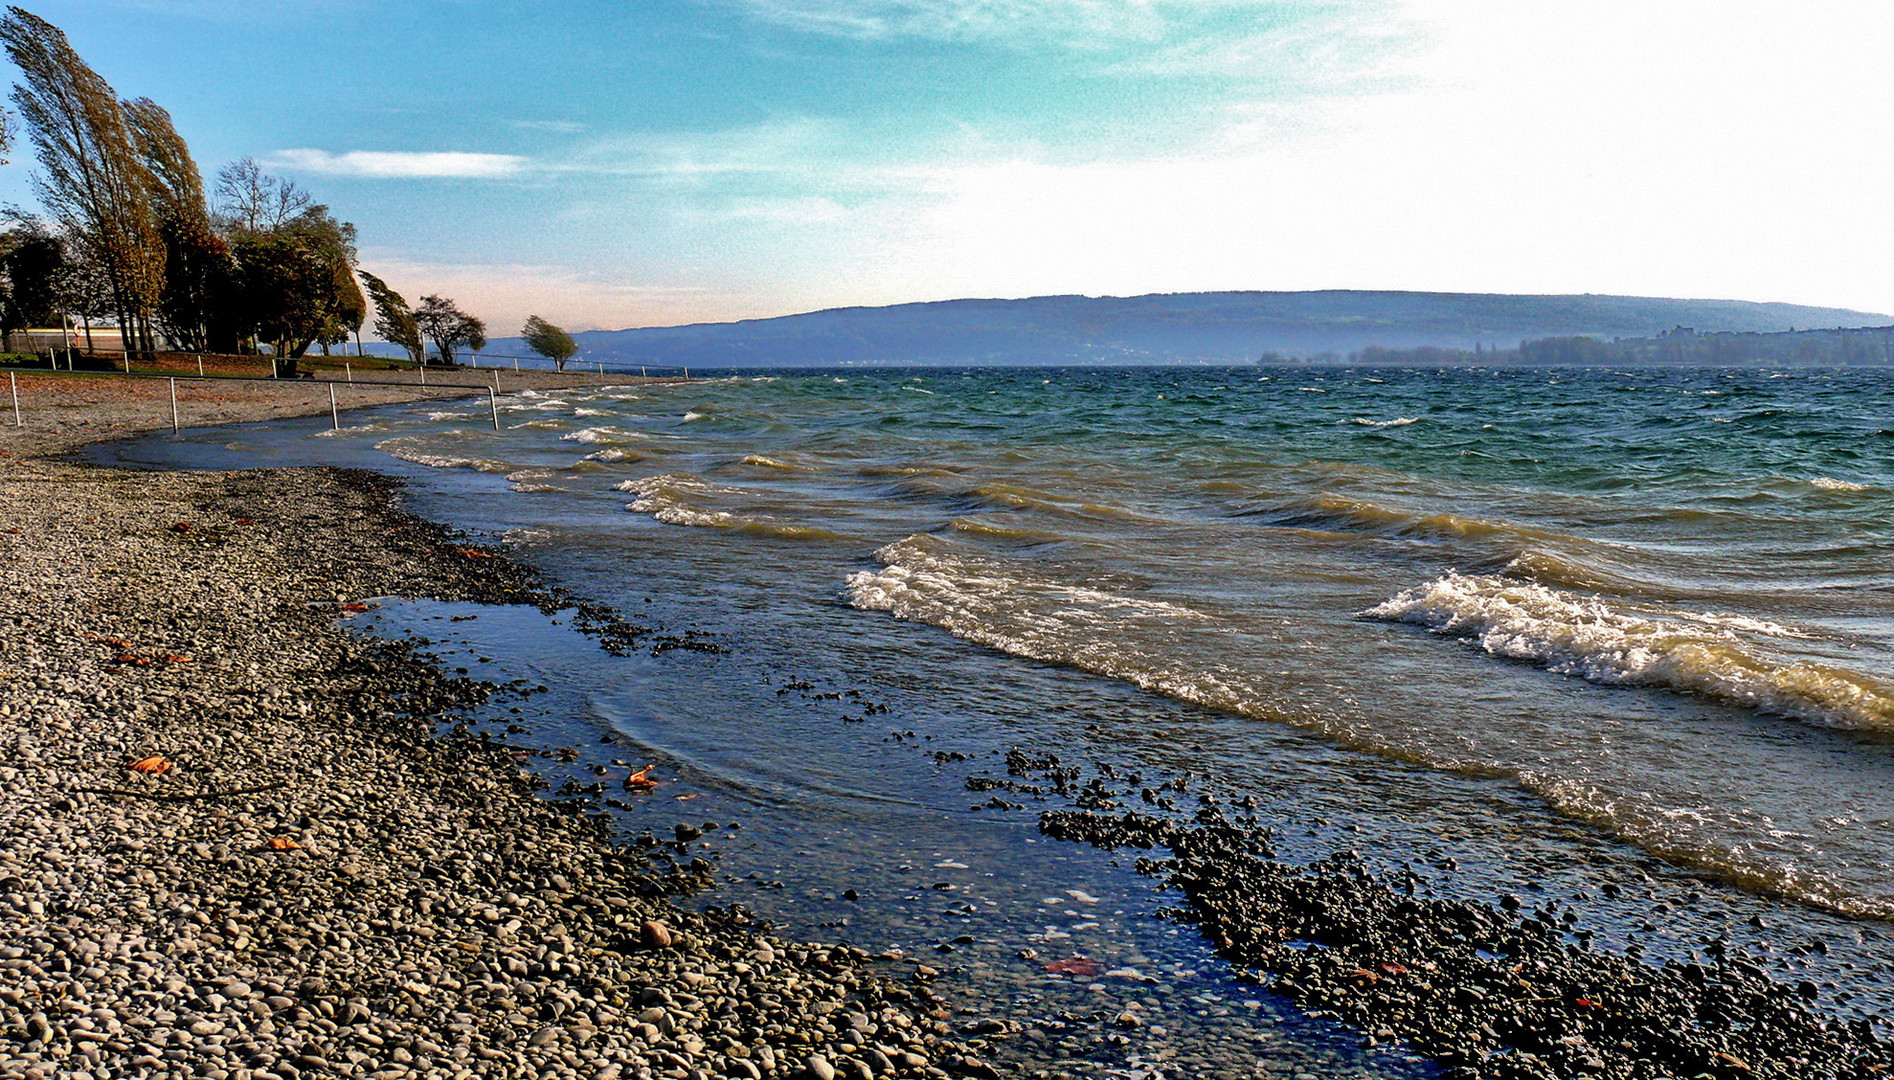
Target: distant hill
[(1177, 328)]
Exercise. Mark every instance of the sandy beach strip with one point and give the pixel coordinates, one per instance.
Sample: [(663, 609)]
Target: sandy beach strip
[(323, 875)]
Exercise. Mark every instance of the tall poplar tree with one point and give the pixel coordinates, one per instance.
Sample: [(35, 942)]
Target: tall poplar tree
[(200, 276), (91, 179)]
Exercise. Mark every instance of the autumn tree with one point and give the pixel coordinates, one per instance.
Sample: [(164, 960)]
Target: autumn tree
[(449, 328), (200, 275), (394, 319), (549, 341), (91, 179)]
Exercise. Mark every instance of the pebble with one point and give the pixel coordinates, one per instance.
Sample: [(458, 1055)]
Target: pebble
[(432, 915)]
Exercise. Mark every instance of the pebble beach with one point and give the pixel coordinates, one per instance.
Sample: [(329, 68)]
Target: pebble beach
[(313, 871)]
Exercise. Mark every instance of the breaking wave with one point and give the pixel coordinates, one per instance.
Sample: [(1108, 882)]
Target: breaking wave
[(1700, 654)]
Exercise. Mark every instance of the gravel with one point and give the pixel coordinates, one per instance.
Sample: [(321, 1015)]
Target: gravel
[(332, 876)]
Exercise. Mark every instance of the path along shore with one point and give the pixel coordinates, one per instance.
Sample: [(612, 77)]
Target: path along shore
[(325, 880)]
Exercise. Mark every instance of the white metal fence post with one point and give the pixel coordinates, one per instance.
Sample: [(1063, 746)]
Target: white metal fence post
[(493, 399), (174, 405), (335, 418), (14, 381)]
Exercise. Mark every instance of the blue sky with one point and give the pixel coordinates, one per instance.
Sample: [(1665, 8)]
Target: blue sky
[(613, 164)]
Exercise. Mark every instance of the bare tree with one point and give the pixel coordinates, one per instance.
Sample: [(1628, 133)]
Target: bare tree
[(251, 200)]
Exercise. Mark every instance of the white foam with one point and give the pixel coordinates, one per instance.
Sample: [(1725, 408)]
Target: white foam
[(448, 415), (1399, 421), (591, 412), (405, 449), (1011, 608), (689, 416), (1575, 635), (603, 436), (1830, 484)]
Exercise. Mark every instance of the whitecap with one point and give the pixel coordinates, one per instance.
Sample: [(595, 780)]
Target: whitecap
[(1399, 421), (1581, 636)]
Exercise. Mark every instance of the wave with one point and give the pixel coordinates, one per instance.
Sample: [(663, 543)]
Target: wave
[(531, 480), (616, 453), (404, 447), (1830, 484), (669, 499), (592, 413), (772, 463), (1399, 421), (603, 436), (1360, 514), (1019, 611), (983, 527), (692, 415), (1576, 635)]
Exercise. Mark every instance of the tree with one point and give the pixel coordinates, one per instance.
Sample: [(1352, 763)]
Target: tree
[(394, 320), (34, 265), (549, 341), (250, 200), (200, 276), (91, 181), (449, 328), (297, 283)]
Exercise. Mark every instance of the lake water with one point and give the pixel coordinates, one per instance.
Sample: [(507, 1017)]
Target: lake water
[(1548, 630)]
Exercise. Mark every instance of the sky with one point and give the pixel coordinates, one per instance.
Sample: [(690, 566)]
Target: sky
[(608, 164)]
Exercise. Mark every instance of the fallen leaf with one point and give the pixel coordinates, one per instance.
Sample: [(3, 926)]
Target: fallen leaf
[(181, 527), (284, 843), (155, 765), (177, 659), (688, 795), (354, 607), (641, 780), (134, 661), (472, 554)]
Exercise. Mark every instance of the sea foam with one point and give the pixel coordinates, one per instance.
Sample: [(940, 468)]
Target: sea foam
[(1576, 635)]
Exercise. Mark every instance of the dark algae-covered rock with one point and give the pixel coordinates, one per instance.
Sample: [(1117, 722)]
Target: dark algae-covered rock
[(1488, 992)]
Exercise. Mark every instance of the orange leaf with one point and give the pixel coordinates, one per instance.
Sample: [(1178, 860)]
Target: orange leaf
[(641, 780), (177, 659), (354, 607), (155, 765), (472, 554), (284, 843)]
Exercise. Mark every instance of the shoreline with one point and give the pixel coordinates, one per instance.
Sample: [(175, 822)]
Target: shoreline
[(63, 411), (329, 878), (336, 537)]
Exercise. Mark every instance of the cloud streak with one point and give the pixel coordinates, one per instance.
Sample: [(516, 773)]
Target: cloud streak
[(401, 164)]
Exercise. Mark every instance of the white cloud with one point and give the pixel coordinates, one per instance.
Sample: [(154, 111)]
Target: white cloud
[(1077, 23), (400, 164)]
